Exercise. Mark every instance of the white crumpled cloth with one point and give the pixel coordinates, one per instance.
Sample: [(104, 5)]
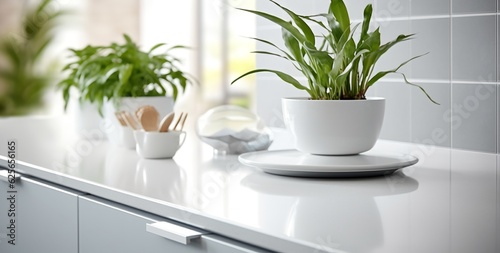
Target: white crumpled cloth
[(233, 142)]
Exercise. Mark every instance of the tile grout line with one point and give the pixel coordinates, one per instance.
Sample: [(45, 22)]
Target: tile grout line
[(451, 72), (411, 75), (423, 17), (396, 80), (451, 127), (497, 79)]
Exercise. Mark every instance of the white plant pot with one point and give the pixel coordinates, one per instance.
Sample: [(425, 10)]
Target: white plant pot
[(124, 136), (87, 121), (334, 127)]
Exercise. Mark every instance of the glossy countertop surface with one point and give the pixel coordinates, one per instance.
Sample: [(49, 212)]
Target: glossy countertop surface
[(447, 202)]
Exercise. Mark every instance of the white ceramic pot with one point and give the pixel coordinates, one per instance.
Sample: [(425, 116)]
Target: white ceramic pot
[(158, 145), (87, 122), (124, 137), (334, 127)]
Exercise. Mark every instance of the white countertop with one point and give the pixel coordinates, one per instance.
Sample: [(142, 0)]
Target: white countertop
[(448, 202)]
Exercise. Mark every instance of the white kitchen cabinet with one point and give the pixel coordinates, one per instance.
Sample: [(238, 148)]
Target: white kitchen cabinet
[(106, 226), (45, 217)]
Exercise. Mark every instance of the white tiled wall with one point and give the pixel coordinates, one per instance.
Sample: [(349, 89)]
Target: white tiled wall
[(461, 70)]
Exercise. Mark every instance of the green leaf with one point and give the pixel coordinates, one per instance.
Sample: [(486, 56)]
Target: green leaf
[(125, 73), (269, 53), (282, 23), (283, 76), (420, 87), (339, 11), (39, 51), (273, 45), (175, 92), (337, 31), (367, 15), (108, 72), (372, 41), (156, 46), (309, 35), (292, 44), (381, 74)]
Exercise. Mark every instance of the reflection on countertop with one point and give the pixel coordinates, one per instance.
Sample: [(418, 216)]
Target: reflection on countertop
[(339, 208)]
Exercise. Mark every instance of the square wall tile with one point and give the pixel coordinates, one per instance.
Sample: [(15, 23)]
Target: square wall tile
[(387, 9), (422, 7), (428, 120), (372, 91), (397, 117), (399, 53), (436, 42), (498, 122), (473, 43), (473, 117), (476, 6), (498, 47), (498, 199)]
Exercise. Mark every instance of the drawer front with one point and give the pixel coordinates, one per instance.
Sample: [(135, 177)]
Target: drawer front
[(44, 217), (110, 227), (219, 244)]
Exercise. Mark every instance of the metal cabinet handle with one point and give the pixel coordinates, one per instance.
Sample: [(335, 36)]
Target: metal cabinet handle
[(173, 232), (4, 175)]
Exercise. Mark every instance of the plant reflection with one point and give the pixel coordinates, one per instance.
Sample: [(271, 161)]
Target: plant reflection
[(327, 211)]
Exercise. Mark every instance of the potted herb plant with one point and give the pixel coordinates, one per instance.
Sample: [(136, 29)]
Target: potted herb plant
[(122, 77), (24, 80), (337, 118)]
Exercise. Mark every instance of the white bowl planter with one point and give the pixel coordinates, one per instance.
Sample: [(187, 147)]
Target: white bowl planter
[(87, 122), (334, 127), (124, 136)]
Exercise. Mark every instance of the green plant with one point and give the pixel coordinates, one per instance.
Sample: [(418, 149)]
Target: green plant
[(335, 65), (102, 73), (24, 79)]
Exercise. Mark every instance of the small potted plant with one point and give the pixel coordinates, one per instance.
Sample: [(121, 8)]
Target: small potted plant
[(122, 77), (337, 118)]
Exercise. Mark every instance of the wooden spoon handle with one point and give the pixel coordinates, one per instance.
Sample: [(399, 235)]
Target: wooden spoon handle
[(120, 119), (184, 120), (178, 121), (130, 121)]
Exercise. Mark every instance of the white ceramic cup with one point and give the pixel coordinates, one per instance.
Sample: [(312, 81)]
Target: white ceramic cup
[(156, 145)]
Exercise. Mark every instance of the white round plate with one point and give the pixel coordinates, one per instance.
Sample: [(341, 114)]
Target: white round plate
[(296, 163)]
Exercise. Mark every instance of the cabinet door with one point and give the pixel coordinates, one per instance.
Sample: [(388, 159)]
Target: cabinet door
[(39, 217), (106, 227)]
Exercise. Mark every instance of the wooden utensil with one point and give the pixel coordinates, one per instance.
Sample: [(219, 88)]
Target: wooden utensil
[(178, 121), (181, 120), (130, 120), (119, 116), (149, 118), (140, 110), (184, 120), (166, 121)]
